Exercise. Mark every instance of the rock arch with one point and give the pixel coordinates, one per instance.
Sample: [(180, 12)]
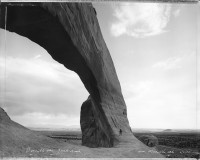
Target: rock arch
[(71, 34)]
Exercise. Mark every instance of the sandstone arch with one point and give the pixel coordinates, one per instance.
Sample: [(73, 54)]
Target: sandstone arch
[(71, 35)]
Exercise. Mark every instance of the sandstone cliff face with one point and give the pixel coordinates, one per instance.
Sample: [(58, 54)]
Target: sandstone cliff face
[(15, 138), (107, 103), (92, 134), (4, 118), (71, 34)]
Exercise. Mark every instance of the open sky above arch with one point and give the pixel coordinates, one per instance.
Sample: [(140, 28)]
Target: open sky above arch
[(154, 49)]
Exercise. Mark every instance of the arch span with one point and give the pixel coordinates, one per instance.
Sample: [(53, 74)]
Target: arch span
[(71, 34)]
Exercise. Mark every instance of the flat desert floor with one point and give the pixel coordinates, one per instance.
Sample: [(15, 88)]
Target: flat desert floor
[(26, 143)]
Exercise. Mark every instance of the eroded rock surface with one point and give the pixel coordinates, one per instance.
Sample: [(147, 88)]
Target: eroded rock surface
[(149, 140), (15, 139), (71, 34), (92, 134), (4, 118)]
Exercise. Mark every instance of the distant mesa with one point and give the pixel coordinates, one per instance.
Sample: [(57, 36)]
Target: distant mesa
[(167, 130)]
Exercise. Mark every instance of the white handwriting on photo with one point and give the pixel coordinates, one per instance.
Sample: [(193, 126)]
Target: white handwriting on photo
[(43, 150)]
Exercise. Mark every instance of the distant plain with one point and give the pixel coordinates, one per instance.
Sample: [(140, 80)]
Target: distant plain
[(172, 143)]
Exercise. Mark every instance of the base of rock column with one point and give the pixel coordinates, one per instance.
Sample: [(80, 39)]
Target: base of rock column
[(93, 135)]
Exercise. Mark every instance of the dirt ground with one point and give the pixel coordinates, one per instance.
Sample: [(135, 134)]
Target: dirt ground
[(25, 143)]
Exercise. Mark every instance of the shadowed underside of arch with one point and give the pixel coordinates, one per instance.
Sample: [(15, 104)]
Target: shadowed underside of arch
[(71, 34)]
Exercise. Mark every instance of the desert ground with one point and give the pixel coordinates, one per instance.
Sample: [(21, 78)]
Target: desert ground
[(40, 144), (176, 143), (172, 144), (19, 141)]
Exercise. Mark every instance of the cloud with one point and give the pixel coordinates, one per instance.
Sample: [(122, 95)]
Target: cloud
[(170, 63), (45, 120), (176, 13), (164, 97), (37, 56), (140, 19), (35, 85), (137, 90), (36, 90)]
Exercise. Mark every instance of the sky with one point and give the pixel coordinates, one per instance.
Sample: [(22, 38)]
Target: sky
[(154, 49)]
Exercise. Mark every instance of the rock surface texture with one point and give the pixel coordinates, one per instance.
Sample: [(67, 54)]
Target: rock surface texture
[(149, 140), (71, 34), (15, 139), (4, 118)]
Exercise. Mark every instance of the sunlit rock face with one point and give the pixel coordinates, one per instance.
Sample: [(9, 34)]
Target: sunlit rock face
[(71, 34)]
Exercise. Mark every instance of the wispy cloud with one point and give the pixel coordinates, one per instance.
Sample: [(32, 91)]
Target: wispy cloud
[(170, 63), (37, 56), (140, 19), (38, 68)]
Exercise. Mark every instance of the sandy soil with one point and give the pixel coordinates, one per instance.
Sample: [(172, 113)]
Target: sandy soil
[(20, 142)]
